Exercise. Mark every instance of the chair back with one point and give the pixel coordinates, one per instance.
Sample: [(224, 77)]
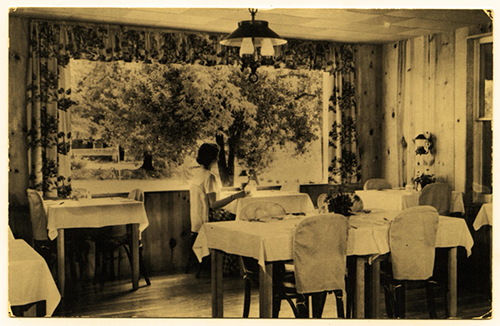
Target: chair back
[(437, 195), (376, 184), (136, 194), (319, 253), (198, 202), (412, 239), (322, 204), (38, 216), (261, 209)]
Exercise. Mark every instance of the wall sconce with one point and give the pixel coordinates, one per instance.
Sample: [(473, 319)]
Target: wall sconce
[(424, 143), (250, 35)]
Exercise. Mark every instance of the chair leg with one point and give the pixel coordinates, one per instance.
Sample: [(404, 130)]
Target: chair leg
[(142, 268), (246, 300), (302, 304), (277, 306), (318, 304), (431, 305), (400, 300), (192, 256), (389, 301), (340, 303)]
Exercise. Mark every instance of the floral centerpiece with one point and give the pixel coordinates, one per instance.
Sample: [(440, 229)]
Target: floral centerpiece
[(423, 180)]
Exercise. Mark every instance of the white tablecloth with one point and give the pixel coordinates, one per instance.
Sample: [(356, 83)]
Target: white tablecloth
[(271, 240), (292, 202), (30, 279), (94, 213), (402, 199), (484, 216)]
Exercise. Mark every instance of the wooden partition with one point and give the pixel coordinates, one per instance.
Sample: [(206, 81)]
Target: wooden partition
[(166, 240)]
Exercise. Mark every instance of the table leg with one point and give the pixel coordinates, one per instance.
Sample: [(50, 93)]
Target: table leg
[(375, 299), (266, 291), (359, 309), (61, 276), (217, 289), (452, 281), (135, 256)]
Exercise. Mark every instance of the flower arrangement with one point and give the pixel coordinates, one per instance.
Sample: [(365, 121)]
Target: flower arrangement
[(339, 200), (63, 190), (424, 179)]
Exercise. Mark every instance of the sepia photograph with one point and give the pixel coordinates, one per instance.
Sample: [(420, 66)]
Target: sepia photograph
[(187, 163)]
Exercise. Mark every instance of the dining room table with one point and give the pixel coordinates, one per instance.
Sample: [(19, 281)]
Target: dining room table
[(271, 240), (484, 216), (403, 198), (95, 213), (30, 279), (292, 201)]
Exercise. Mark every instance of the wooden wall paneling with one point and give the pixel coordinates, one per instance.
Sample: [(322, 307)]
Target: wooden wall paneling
[(460, 108), (472, 57), (389, 159), (18, 149), (181, 228), (403, 100), (414, 95), (405, 135), (156, 251), (369, 115), (444, 113), (429, 90)]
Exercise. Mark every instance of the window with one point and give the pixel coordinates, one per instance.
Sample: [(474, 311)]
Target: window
[(108, 156), (483, 111)]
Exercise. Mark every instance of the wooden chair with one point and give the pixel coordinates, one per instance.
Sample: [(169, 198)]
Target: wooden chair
[(318, 267), (376, 184), (110, 239), (77, 248), (319, 261), (321, 203), (437, 195), (412, 242)]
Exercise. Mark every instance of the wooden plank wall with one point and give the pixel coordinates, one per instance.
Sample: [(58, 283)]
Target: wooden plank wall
[(369, 118), (166, 240), (424, 90), (389, 138)]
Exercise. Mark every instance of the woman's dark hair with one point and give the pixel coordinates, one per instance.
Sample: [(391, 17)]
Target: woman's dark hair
[(207, 154)]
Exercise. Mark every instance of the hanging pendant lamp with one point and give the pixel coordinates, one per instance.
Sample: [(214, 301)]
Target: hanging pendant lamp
[(250, 35)]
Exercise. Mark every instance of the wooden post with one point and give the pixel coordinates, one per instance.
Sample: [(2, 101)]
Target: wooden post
[(135, 255), (375, 304), (452, 281), (359, 309), (61, 277), (217, 289), (266, 291)]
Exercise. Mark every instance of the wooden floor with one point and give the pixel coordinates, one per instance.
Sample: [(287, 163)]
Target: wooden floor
[(184, 296)]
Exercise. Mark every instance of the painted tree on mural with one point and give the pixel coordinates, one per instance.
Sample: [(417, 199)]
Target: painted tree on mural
[(166, 110)]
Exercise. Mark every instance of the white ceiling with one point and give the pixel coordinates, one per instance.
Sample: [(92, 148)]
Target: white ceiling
[(374, 26)]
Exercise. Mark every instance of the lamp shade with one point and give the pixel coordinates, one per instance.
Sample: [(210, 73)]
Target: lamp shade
[(246, 47), (267, 48), (256, 29)]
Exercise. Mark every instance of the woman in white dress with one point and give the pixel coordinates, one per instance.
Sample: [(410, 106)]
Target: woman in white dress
[(206, 201)]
